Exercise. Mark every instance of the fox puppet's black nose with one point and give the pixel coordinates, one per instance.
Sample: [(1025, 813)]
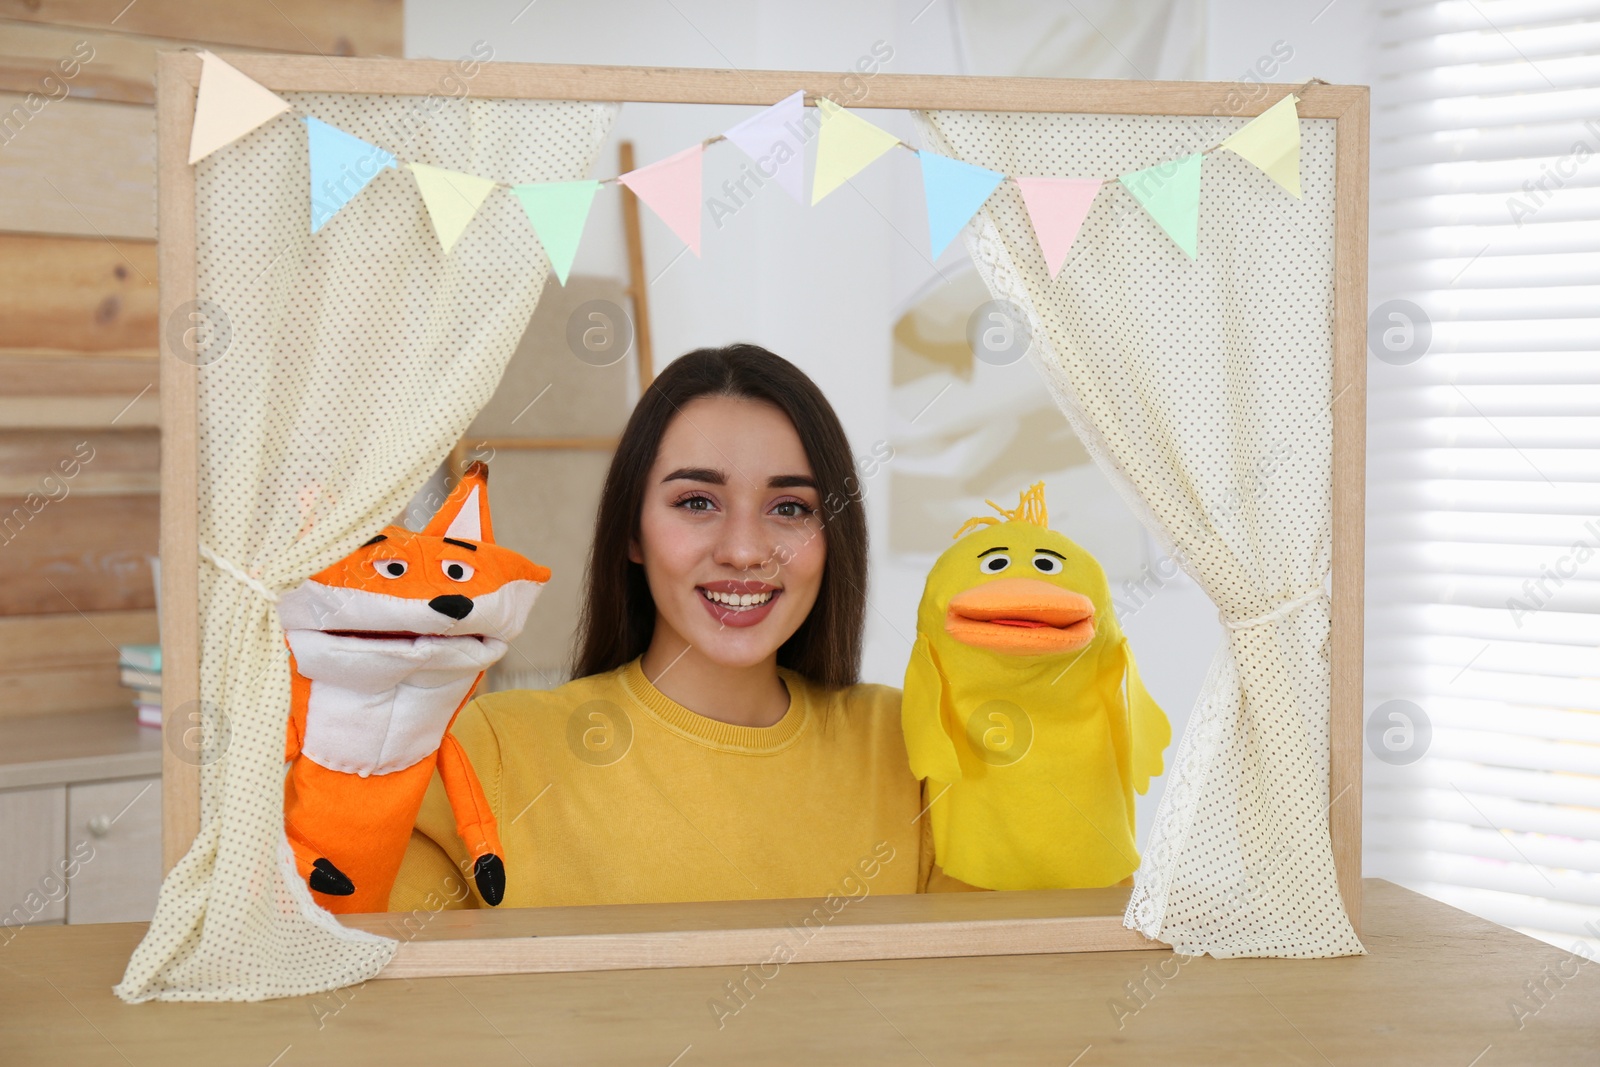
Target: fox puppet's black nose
[(454, 605)]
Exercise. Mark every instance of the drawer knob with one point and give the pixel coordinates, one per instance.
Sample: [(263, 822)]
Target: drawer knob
[(100, 825)]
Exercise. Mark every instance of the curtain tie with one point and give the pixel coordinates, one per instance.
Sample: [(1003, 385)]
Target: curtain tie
[(235, 571), (1278, 613)]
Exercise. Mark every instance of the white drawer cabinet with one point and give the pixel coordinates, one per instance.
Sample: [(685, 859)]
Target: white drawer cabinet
[(114, 832), (80, 818), (33, 850), (88, 852)]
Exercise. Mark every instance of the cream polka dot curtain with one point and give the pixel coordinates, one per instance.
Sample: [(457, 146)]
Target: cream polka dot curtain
[(339, 370), (1203, 389)]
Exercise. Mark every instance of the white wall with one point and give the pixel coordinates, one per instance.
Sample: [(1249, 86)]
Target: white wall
[(1330, 40)]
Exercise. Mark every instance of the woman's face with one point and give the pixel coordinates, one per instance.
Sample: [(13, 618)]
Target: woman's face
[(730, 532)]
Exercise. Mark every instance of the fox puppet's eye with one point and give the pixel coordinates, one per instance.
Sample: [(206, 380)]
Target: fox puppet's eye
[(456, 571), (389, 568)]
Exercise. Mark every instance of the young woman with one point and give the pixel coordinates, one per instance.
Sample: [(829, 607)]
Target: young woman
[(714, 743)]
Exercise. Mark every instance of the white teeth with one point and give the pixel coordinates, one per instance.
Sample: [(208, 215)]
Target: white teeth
[(738, 600)]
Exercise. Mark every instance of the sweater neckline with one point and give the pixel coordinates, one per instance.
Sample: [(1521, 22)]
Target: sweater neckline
[(715, 733)]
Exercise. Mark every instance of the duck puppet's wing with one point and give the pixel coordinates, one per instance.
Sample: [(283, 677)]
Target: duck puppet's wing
[(1150, 729), (926, 717)]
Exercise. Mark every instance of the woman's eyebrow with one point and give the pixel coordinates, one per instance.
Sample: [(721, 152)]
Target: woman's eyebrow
[(697, 474), (716, 477)]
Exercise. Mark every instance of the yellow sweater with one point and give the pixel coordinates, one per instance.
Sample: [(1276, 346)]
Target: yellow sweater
[(608, 792)]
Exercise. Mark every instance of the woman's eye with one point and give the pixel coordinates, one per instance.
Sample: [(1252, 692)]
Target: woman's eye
[(1046, 563), (994, 563), (695, 503), (389, 568), (793, 509), (455, 570)]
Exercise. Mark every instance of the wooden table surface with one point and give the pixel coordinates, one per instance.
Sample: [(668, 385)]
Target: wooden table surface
[(1437, 988)]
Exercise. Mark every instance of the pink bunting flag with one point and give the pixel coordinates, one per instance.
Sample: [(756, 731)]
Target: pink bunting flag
[(1057, 207), (671, 188)]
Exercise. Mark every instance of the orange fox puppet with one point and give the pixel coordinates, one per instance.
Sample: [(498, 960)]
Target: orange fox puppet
[(386, 647)]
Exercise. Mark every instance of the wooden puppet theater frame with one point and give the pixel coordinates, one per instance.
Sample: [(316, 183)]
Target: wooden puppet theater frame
[(743, 932)]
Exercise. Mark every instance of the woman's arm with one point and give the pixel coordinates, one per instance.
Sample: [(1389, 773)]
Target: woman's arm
[(436, 873), (429, 880)]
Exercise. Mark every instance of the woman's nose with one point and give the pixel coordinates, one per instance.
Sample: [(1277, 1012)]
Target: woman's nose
[(744, 543)]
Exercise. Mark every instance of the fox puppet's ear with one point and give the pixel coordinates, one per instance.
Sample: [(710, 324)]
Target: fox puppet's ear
[(465, 513)]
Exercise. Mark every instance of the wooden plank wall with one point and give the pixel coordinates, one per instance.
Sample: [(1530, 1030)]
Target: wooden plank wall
[(79, 316)]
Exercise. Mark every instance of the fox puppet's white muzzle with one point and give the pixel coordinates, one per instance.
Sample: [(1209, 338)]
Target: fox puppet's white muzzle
[(315, 606), (380, 704)]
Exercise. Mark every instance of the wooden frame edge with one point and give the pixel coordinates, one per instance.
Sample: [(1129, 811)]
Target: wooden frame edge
[(178, 78), (1349, 423), (755, 946), (177, 75), (704, 85)]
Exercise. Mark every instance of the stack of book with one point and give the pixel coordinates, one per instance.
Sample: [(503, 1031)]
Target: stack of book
[(141, 672)]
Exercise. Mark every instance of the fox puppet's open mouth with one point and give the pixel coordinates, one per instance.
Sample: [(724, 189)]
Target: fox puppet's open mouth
[(395, 635)]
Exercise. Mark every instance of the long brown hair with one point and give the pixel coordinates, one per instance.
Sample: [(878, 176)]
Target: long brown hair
[(619, 614)]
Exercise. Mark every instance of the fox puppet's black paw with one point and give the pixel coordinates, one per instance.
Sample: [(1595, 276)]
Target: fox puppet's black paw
[(490, 874), (326, 878)]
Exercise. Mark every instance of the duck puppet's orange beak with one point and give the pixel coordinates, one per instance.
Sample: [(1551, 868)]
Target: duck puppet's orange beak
[(1021, 617)]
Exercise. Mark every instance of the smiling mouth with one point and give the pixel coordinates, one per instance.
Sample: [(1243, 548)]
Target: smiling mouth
[(738, 601)]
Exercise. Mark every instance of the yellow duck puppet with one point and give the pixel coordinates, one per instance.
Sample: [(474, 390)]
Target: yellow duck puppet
[(1014, 709)]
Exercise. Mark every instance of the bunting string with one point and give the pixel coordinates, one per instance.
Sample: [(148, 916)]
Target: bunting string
[(230, 105), (300, 113)]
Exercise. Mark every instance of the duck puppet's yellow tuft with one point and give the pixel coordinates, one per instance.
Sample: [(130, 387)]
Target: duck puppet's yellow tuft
[(1023, 698)]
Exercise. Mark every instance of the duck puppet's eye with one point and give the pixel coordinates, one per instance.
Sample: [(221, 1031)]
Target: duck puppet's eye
[(993, 562), (1047, 562)]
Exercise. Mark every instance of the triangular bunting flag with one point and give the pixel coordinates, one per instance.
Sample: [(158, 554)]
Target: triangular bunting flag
[(1170, 192), (558, 211), (228, 106), (844, 148), (954, 191), (1057, 207), (671, 188), (452, 198), (772, 140), (1272, 142), (341, 166)]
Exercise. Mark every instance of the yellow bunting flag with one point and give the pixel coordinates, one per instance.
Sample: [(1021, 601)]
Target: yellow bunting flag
[(844, 147), (452, 199), (1272, 142)]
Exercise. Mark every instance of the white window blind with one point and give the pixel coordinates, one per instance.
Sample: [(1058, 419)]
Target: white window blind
[(1483, 580)]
